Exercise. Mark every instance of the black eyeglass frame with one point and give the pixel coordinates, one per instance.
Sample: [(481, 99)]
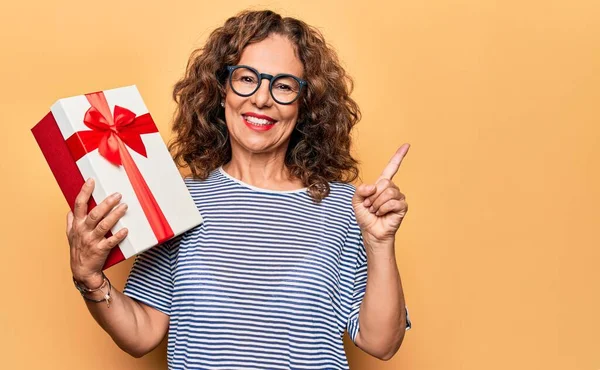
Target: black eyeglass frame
[(266, 76)]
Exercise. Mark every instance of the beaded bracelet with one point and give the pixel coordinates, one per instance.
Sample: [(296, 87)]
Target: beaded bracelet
[(85, 290)]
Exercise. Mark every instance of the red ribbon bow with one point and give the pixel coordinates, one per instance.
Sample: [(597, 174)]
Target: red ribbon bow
[(109, 135)]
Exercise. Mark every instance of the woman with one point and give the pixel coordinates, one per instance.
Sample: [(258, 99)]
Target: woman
[(278, 270)]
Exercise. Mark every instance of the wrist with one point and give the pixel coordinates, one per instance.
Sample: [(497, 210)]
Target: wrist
[(98, 294), (377, 244), (90, 281)]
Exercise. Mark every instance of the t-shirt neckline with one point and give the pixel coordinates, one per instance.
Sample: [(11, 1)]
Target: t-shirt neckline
[(222, 171)]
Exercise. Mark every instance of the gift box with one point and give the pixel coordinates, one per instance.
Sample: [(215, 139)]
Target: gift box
[(111, 137)]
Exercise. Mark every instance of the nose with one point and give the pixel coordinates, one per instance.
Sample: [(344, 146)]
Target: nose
[(262, 97)]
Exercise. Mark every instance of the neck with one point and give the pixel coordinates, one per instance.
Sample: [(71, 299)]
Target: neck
[(262, 172)]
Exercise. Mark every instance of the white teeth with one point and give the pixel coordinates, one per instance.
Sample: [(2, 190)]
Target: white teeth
[(257, 121)]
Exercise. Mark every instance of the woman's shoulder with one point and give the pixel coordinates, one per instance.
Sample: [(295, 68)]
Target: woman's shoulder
[(341, 190), (193, 181), (200, 187)]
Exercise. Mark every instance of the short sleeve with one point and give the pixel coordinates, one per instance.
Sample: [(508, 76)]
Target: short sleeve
[(151, 278), (360, 280)]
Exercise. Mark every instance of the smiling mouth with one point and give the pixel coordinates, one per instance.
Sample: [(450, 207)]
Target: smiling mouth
[(258, 121)]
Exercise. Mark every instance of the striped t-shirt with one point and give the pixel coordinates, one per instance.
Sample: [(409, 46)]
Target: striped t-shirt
[(270, 280)]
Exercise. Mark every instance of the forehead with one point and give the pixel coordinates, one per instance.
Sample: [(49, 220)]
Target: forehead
[(273, 55)]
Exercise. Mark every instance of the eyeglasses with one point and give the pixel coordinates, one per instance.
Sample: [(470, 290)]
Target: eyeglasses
[(284, 88)]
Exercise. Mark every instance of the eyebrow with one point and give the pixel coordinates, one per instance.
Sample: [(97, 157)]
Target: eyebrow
[(301, 75)]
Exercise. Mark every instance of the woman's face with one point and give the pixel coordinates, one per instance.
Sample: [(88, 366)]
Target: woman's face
[(244, 115)]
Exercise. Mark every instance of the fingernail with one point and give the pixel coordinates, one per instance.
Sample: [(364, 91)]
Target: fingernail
[(124, 205), (367, 202), (89, 181), (371, 209), (116, 196)]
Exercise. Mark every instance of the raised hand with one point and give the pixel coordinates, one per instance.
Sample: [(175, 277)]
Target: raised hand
[(381, 207), (86, 234)]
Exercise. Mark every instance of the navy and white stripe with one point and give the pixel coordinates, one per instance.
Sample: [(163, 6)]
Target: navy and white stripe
[(270, 280)]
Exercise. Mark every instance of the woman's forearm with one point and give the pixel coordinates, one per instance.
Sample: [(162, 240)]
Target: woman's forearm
[(382, 317), (134, 328)]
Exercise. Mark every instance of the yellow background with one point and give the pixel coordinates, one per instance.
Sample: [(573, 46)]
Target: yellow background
[(500, 100)]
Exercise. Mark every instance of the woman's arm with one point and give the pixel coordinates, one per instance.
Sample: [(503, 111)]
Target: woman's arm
[(135, 327), (382, 317), (379, 210)]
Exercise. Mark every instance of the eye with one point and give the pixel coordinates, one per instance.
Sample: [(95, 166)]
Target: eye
[(286, 85), (248, 79), (283, 87), (245, 76)]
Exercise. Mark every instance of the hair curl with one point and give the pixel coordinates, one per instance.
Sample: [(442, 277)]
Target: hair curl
[(319, 147)]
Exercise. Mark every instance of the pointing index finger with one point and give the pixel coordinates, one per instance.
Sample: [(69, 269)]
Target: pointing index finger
[(392, 168)]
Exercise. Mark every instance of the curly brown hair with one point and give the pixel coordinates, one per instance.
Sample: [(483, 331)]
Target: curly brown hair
[(319, 147)]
